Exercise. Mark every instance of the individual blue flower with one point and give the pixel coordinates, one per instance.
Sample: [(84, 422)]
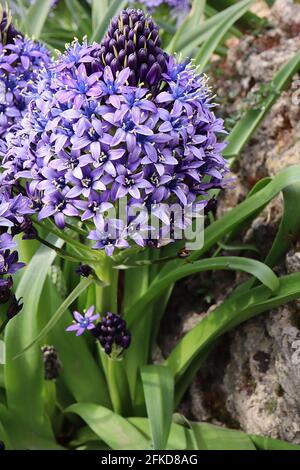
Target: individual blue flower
[(83, 322)]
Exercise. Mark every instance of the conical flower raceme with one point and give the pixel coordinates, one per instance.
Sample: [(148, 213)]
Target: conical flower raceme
[(90, 139), (133, 41)]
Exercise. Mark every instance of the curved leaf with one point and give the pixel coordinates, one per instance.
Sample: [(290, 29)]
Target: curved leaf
[(114, 8), (81, 287), (24, 378), (158, 384), (256, 268), (117, 432)]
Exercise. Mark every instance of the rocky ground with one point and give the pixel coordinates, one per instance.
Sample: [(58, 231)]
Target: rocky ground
[(252, 378)]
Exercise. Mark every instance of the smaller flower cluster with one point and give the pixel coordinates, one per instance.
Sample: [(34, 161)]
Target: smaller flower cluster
[(112, 334), (14, 213), (177, 7), (21, 59), (51, 362), (111, 331)]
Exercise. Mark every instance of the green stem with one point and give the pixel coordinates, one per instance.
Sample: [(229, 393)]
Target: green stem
[(107, 300)]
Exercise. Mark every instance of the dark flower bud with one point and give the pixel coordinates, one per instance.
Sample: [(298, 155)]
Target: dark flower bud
[(143, 72), (5, 290), (153, 74), (132, 79), (112, 45), (2, 445), (121, 42), (151, 60), (141, 42), (84, 270), (122, 55), (108, 58), (51, 362), (142, 56), (115, 66), (130, 47), (132, 61), (14, 308)]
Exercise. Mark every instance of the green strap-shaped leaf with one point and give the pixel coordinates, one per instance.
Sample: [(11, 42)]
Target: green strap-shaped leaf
[(18, 435), (117, 432), (230, 220), (187, 356), (81, 287), (256, 268), (192, 38), (247, 125), (24, 378), (158, 384), (101, 28), (266, 443), (210, 45), (35, 17), (99, 9), (210, 437)]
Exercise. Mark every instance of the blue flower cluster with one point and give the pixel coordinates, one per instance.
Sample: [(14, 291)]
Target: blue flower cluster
[(21, 59), (90, 139), (177, 7), (20, 62)]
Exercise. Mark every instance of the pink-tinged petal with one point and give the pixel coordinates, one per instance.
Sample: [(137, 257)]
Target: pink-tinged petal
[(89, 311), (73, 328), (80, 331)]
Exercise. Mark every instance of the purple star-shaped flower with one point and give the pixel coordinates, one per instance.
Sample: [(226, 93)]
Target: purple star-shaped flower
[(83, 322)]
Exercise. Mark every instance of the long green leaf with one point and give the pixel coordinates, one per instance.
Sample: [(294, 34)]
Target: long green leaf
[(210, 437), (158, 383), (209, 46), (230, 220), (190, 350), (36, 16), (190, 23), (99, 8), (256, 268), (245, 128), (117, 432), (193, 38), (81, 287), (266, 443), (24, 378), (114, 8), (19, 436)]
